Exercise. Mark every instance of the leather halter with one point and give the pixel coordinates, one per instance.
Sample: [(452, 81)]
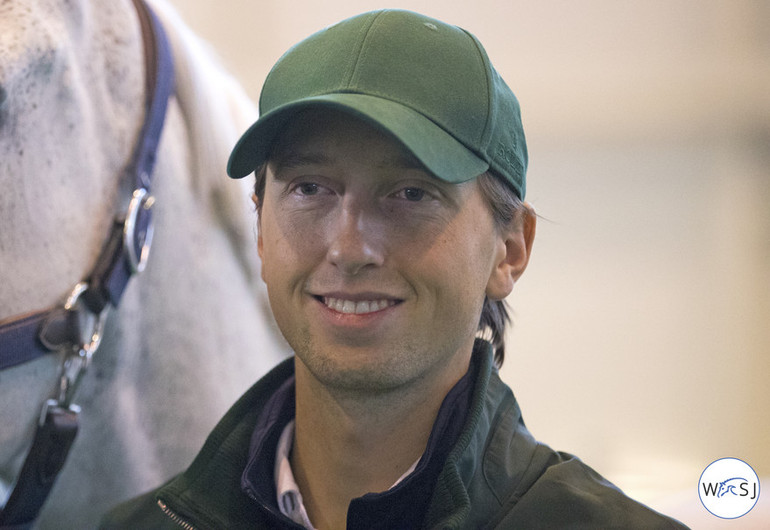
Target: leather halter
[(26, 337)]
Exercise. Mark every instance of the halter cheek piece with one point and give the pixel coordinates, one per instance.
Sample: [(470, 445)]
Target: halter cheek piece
[(75, 327)]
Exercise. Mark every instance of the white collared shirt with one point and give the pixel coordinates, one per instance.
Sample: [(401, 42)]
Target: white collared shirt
[(287, 492), (289, 498)]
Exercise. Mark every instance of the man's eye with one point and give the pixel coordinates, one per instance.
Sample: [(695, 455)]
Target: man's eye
[(413, 194), (307, 188)]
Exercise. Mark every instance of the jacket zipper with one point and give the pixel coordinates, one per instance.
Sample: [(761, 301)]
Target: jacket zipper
[(178, 519)]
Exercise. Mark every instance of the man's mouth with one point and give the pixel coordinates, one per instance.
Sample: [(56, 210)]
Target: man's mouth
[(357, 307)]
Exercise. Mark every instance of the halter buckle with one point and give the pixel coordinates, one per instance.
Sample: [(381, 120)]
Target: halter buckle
[(138, 230)]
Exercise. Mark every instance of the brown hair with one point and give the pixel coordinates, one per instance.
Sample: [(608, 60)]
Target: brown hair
[(506, 208)]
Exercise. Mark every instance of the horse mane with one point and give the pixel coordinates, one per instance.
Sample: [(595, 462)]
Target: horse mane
[(216, 111)]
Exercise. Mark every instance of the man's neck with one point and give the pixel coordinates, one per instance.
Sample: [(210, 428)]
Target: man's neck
[(348, 445)]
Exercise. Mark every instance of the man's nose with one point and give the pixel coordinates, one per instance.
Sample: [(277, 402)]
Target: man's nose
[(355, 240)]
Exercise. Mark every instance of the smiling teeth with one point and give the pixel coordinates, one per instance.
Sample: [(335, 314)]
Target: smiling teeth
[(358, 308)]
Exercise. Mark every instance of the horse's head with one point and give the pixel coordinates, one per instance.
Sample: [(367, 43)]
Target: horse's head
[(730, 486), (192, 332)]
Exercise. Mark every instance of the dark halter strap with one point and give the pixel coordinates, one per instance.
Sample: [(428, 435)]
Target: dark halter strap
[(27, 337)]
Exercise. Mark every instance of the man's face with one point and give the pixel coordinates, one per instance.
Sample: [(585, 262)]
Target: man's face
[(376, 271)]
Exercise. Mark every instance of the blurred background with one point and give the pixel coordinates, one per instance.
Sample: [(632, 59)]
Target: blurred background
[(642, 336)]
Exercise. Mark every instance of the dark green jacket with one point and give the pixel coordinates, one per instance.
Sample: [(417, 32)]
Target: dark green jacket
[(496, 476)]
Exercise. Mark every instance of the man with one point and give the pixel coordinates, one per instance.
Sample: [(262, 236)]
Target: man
[(390, 162)]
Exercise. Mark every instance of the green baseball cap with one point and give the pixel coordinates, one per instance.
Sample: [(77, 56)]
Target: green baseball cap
[(427, 83)]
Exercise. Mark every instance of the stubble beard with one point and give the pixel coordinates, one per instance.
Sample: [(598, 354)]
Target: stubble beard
[(372, 377)]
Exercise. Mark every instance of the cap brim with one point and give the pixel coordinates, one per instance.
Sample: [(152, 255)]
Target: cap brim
[(438, 151)]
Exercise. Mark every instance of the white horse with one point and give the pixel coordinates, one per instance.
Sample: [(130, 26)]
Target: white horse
[(193, 330)]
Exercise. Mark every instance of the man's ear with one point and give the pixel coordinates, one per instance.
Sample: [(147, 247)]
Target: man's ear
[(515, 249)]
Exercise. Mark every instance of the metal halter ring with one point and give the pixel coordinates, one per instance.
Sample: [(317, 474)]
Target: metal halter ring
[(138, 229), (93, 337), (90, 329)]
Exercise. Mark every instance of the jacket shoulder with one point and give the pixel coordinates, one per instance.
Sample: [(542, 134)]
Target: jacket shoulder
[(500, 476), (208, 494), (571, 494)]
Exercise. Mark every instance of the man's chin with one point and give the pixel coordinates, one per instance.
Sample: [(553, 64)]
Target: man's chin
[(358, 372)]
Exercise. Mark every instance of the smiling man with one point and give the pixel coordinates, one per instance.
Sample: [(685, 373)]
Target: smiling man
[(390, 172)]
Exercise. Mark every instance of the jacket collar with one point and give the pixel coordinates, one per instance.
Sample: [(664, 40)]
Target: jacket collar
[(492, 461)]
